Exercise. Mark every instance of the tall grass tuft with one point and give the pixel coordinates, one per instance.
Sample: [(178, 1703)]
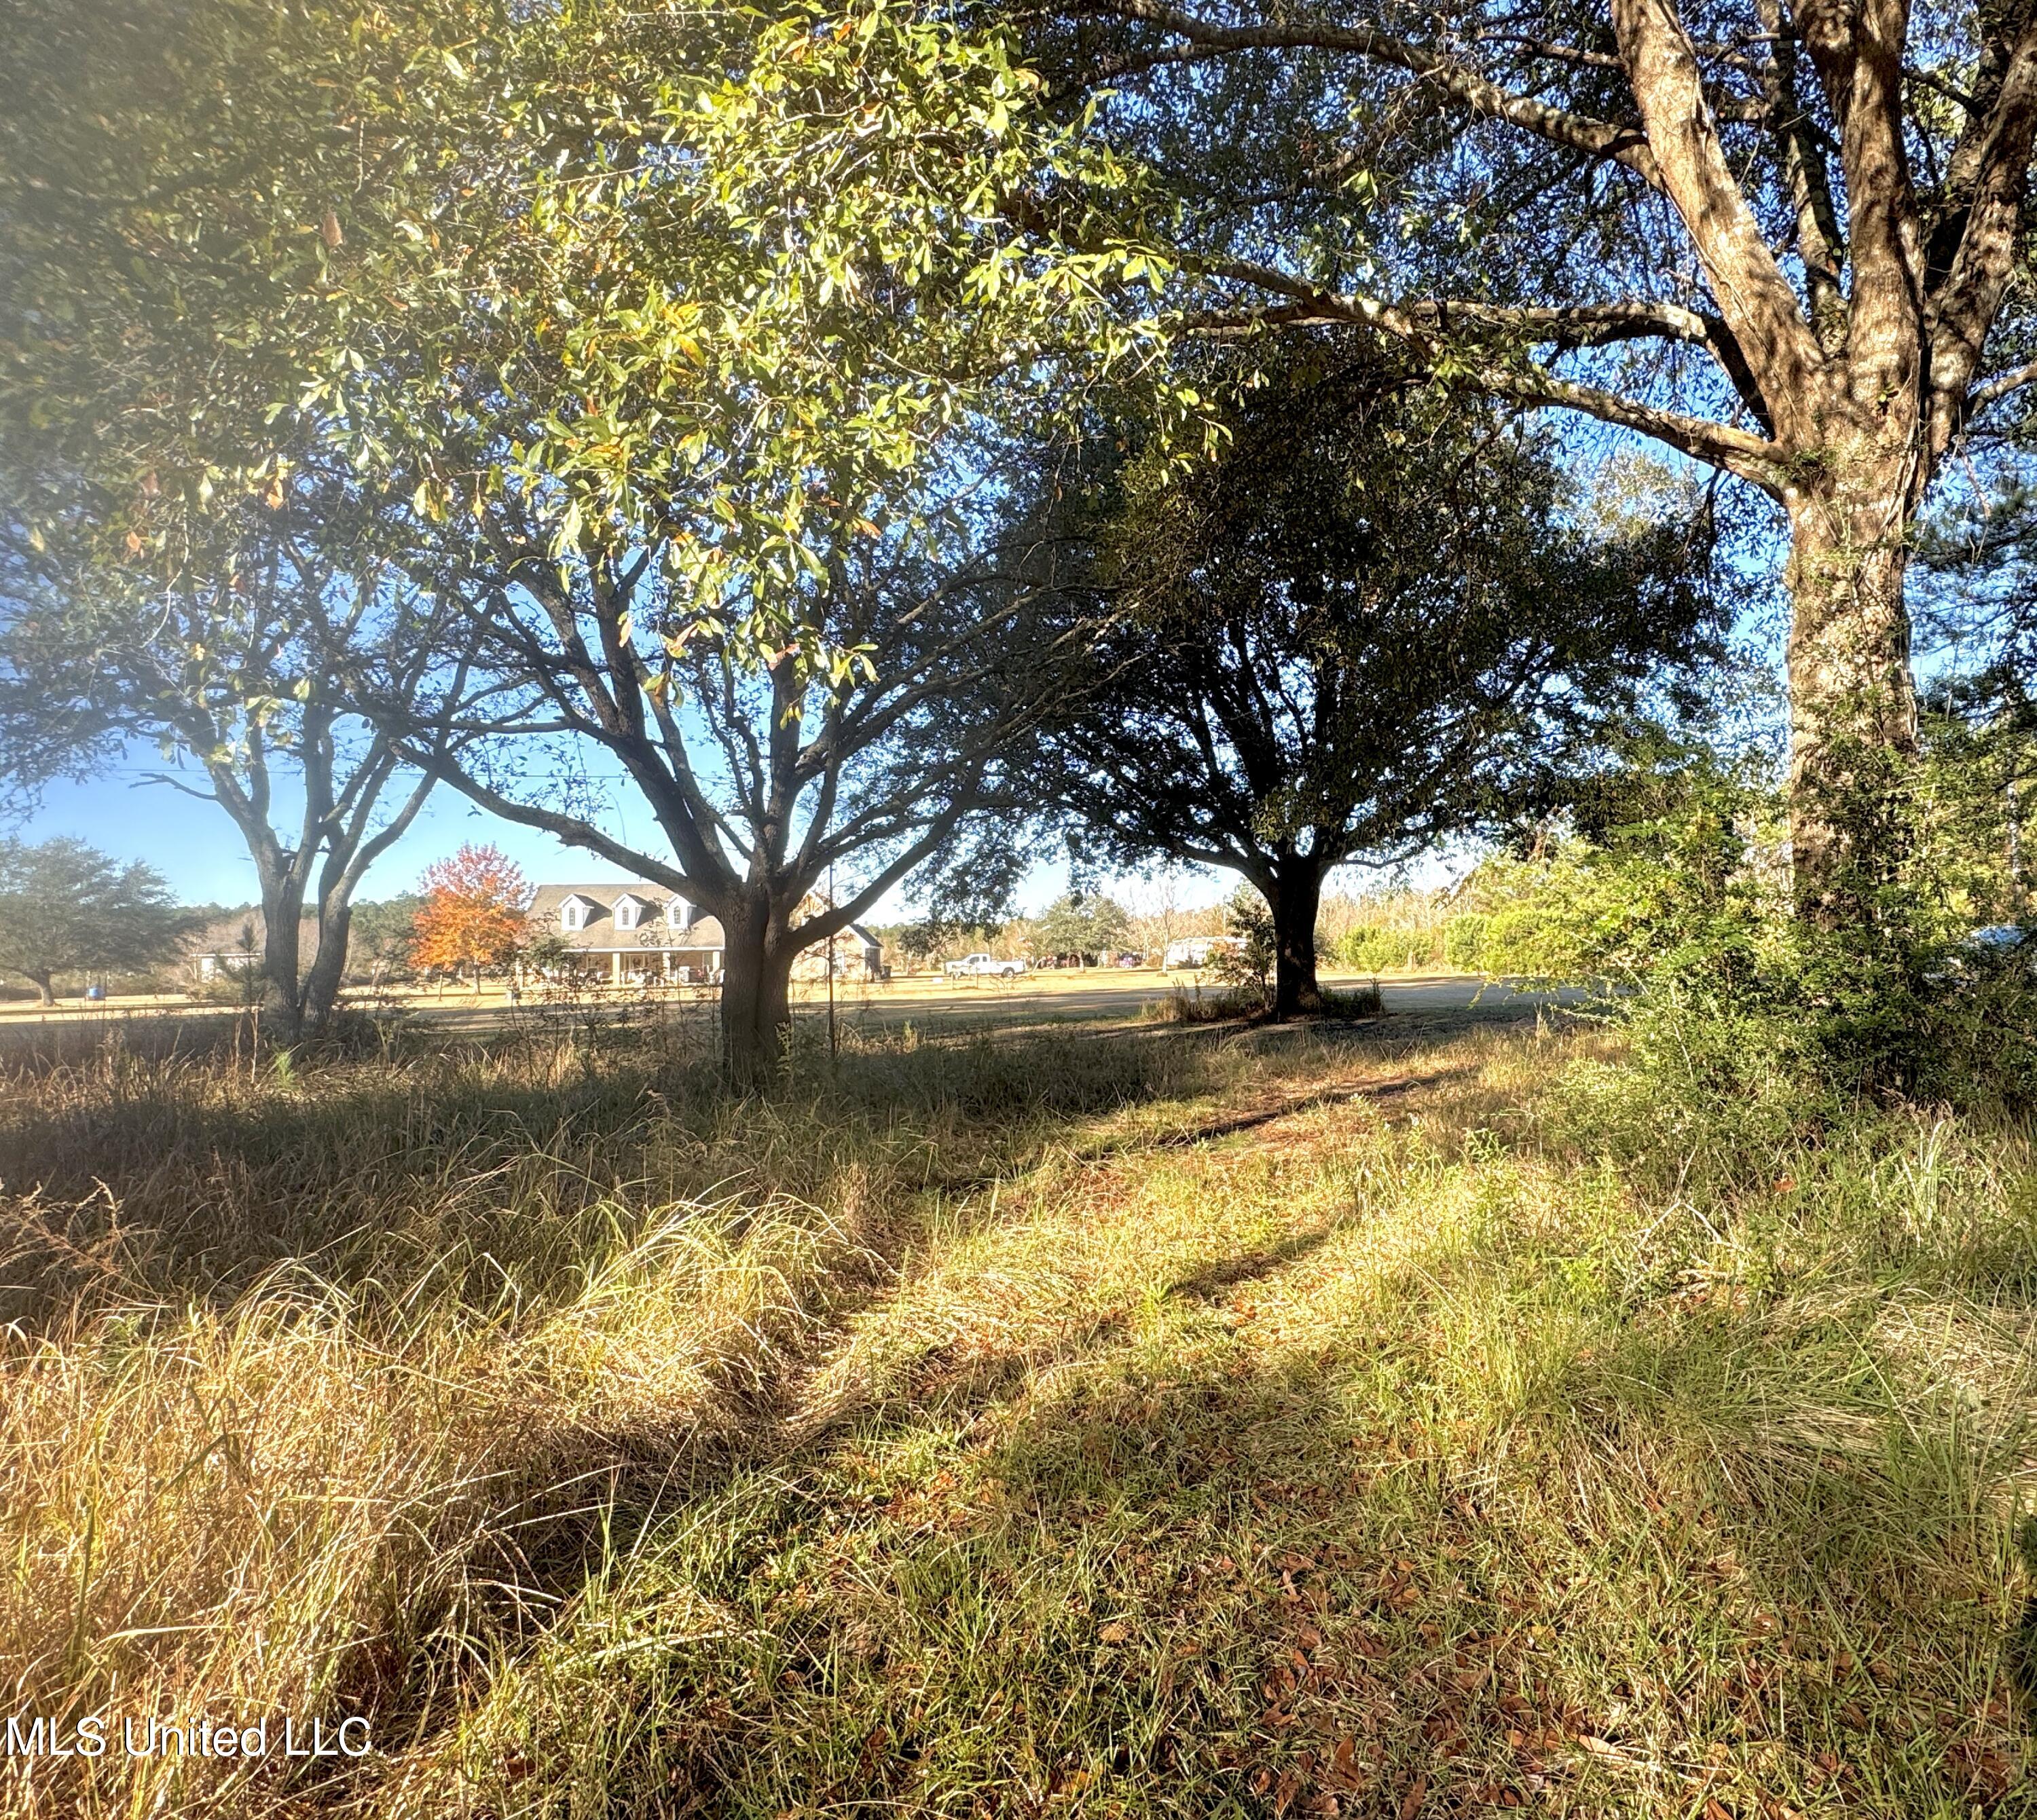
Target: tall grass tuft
[(313, 1380)]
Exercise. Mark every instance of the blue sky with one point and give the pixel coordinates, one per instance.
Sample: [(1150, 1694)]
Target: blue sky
[(196, 847), (199, 850)]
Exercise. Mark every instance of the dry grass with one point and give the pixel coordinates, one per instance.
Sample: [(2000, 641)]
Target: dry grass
[(308, 1378), (1168, 1422)]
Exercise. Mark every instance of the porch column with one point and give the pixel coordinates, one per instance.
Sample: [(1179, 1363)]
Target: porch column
[(615, 967)]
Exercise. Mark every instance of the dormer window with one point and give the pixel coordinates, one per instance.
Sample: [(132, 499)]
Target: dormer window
[(677, 912), (572, 914), (629, 912)]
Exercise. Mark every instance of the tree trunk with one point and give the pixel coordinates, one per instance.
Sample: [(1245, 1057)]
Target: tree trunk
[(1853, 709), (45, 993), (321, 991), (1296, 897), (282, 1000), (756, 1001)]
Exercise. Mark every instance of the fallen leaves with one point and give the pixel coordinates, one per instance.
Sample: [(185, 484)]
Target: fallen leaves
[(1985, 1773)]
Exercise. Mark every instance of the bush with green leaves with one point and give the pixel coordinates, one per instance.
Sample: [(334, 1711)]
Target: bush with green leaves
[(1688, 915), (1377, 948), (1246, 964), (1463, 942)]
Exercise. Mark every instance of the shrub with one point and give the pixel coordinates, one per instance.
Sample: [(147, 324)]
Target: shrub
[(1192, 1005), (1246, 965), (1383, 948), (1355, 1002), (1463, 942), (1889, 1009)]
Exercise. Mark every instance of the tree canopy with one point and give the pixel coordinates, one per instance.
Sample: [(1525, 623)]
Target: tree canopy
[(1788, 241), (1375, 623), (761, 265), (1082, 923), (757, 264), (247, 670), (67, 909)]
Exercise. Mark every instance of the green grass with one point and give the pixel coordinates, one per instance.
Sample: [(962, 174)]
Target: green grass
[(1361, 1421), (1219, 1003)]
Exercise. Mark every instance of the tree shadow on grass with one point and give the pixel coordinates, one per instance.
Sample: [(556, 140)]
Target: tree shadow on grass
[(1088, 1573), (1343, 1599), (1143, 1597), (1215, 1130), (1210, 1578)]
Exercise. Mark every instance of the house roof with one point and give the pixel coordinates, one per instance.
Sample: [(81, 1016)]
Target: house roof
[(652, 935)]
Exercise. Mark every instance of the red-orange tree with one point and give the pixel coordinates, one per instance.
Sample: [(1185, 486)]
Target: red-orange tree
[(473, 913)]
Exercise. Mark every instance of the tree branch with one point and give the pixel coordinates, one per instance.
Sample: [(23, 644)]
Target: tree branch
[(1819, 241), (1585, 325), (1963, 305), (1739, 451), (1753, 296), (1597, 138), (1995, 390)]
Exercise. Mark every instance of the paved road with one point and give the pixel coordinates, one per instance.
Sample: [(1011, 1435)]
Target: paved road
[(1044, 1000)]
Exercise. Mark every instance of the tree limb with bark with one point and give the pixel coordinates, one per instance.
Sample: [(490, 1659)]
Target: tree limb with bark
[(1827, 204)]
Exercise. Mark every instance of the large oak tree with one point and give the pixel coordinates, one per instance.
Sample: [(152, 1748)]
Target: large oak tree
[(1375, 623), (671, 304), (1787, 240), (785, 798)]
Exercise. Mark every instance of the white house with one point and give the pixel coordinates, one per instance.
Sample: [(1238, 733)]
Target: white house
[(233, 946), (627, 929), (644, 931), (1190, 952)]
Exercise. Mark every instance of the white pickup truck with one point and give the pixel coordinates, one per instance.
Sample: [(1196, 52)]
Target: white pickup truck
[(982, 966)]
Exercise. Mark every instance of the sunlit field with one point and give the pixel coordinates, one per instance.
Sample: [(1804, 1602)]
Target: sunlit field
[(1383, 1419), (851, 995), (1501, 542)]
